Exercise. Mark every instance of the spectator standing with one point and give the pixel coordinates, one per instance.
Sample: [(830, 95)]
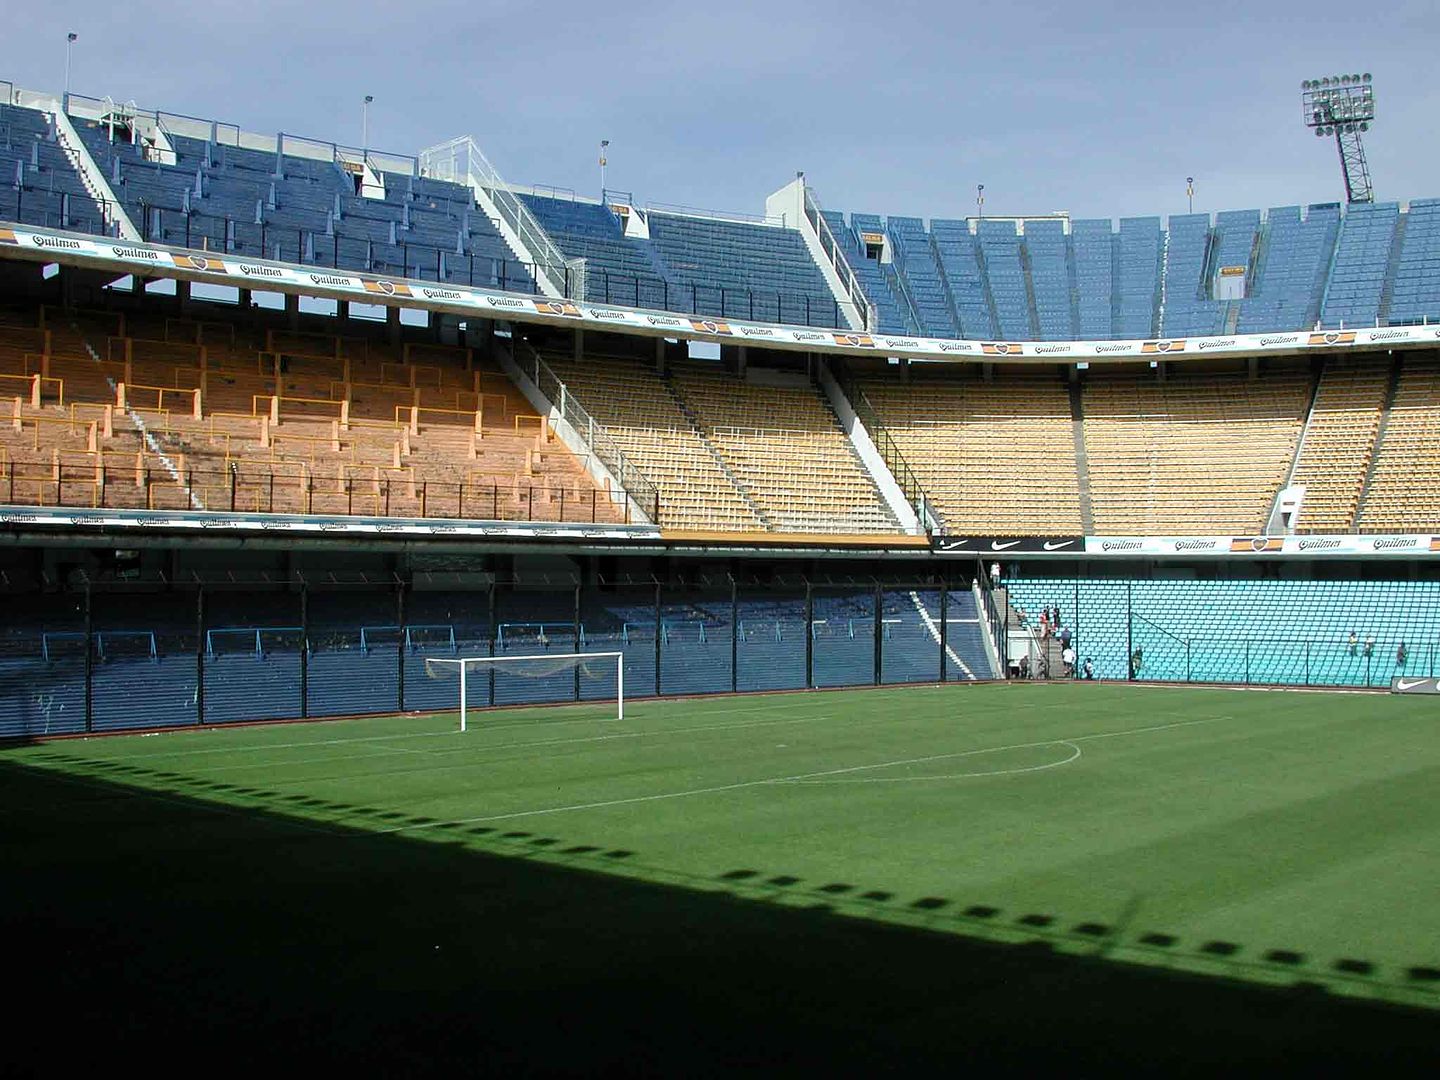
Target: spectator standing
[(1065, 637), (1089, 668), (1369, 644), (1055, 614), (1068, 658), (1137, 659), (1400, 655), (1353, 642)]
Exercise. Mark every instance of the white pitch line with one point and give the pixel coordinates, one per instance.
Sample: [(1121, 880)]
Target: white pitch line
[(956, 776), (540, 745), (644, 704), (690, 792)]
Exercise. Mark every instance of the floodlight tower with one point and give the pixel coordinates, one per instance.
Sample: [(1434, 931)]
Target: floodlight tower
[(1343, 106)]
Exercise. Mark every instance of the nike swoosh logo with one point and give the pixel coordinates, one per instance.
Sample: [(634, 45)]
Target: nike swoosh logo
[(996, 545), (1056, 547), (1408, 684), (953, 545)]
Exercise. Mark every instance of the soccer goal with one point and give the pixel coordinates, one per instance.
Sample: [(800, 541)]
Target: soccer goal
[(592, 665)]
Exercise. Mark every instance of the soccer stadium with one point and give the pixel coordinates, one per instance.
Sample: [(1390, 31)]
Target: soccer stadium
[(462, 623)]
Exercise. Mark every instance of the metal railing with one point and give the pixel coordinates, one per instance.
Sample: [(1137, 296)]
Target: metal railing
[(597, 440), (460, 161), (905, 476), (87, 486), (839, 262)]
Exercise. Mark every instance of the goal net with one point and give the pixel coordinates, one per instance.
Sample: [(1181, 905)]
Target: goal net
[(476, 675)]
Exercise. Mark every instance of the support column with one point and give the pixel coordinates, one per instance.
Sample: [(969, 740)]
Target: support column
[(392, 325), (89, 662), (304, 651), (660, 356), (245, 300), (809, 636), (490, 598), (400, 647), (292, 311), (342, 312), (182, 296), (580, 345), (734, 636), (944, 634), (658, 587), (741, 359), (199, 654), (879, 638)]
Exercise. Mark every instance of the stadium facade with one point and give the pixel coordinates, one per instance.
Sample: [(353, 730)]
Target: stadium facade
[(286, 417)]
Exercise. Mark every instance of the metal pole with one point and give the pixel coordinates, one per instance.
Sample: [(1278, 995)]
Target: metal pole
[(1129, 632), (945, 618), (304, 651), (658, 629), (734, 637), (879, 645), (809, 636), (70, 39), (400, 647), (200, 654), (89, 661), (491, 594)]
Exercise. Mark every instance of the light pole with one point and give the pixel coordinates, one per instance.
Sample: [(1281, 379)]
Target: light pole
[(604, 145), (70, 40), (1190, 192), (1343, 106), (980, 201), (365, 124)]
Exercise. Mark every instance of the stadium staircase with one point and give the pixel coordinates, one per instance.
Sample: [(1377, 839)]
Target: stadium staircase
[(1082, 460), (1392, 386), (743, 489)]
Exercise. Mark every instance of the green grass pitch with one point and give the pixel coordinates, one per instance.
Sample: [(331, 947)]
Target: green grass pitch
[(1040, 864)]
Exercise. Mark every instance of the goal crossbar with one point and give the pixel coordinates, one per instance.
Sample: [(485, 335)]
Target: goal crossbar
[(498, 663)]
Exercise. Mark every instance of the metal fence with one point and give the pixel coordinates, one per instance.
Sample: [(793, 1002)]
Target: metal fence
[(111, 655)]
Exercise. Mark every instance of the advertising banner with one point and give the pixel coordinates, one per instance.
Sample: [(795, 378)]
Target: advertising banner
[(228, 268)]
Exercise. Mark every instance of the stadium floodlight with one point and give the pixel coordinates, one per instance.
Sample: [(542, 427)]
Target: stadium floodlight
[(604, 145), (70, 40), (1190, 192), (603, 673), (1343, 106), (365, 123), (980, 202)]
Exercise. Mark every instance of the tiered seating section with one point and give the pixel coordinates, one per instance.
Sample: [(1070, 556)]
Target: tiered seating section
[(729, 454), (1257, 630), (1190, 455), (995, 457), (786, 450), (38, 182), (643, 414), (1049, 279), (987, 278), (1339, 442), (1405, 485), (225, 197), (702, 265), (185, 414)]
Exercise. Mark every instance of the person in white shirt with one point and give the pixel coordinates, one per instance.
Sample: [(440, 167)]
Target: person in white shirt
[(1068, 658)]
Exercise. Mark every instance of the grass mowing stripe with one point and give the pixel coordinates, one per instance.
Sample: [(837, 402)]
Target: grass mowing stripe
[(800, 777)]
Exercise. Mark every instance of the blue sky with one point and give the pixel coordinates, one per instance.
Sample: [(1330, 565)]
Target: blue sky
[(1101, 109)]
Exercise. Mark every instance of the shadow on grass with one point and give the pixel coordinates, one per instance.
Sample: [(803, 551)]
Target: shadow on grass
[(161, 926)]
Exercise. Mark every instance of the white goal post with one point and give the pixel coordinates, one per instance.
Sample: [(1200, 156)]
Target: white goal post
[(530, 667)]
